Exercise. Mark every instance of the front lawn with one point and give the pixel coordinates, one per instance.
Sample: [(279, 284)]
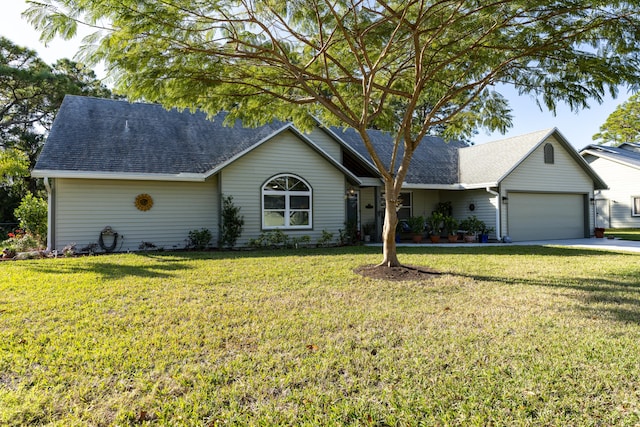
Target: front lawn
[(507, 336)]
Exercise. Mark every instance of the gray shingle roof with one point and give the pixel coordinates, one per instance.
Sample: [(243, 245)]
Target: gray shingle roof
[(627, 153), (435, 161), (101, 135)]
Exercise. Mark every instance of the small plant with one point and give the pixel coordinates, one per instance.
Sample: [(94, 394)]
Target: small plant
[(199, 239), (325, 239), (416, 224), (301, 241), (69, 250), (368, 229), (271, 239), (19, 241), (472, 225), (145, 246), (450, 225), (435, 222), (231, 223)]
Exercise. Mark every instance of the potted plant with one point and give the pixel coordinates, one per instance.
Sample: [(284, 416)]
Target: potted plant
[(416, 226), (599, 232), (434, 223), (472, 226), (484, 234), (451, 228), (367, 230)]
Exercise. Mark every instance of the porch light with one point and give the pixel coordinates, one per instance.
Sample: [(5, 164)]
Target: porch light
[(505, 199)]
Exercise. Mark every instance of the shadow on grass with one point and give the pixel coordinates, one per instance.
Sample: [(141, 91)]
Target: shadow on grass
[(109, 269), (616, 298)]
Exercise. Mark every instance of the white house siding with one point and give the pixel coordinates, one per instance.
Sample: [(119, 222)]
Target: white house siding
[(624, 183), (473, 202), (286, 154), (533, 175), (83, 208), (424, 201), (323, 140)]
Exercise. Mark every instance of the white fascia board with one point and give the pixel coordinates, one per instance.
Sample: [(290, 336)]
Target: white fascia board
[(432, 186), (188, 177), (371, 182), (479, 186)]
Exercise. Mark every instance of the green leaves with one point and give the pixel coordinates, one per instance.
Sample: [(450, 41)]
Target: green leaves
[(623, 125)]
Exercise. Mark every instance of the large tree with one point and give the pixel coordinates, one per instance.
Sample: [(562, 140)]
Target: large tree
[(31, 92), (410, 67), (623, 125)]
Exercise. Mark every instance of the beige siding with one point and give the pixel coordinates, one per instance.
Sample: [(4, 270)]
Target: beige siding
[(424, 202), (244, 178), (483, 204), (624, 183), (84, 207), (326, 142), (565, 175), (533, 175)]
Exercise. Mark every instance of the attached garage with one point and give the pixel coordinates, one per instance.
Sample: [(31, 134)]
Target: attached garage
[(546, 216)]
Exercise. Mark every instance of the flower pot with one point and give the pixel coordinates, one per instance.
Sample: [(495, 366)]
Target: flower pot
[(484, 238), (417, 238), (452, 238), (434, 238), (469, 238), (599, 232)]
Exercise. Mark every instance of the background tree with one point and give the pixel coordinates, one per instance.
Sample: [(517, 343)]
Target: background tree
[(30, 94), (623, 125), (359, 63)]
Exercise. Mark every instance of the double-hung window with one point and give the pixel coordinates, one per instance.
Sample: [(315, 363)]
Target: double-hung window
[(286, 203)]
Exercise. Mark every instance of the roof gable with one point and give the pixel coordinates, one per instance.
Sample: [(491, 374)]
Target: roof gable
[(488, 164)]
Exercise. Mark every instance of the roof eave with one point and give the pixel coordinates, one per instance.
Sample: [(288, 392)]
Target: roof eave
[(131, 176)]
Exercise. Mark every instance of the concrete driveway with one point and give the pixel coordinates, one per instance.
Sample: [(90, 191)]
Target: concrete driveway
[(615, 245)]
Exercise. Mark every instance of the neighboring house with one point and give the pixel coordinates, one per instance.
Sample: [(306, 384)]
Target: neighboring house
[(619, 206), (103, 155)]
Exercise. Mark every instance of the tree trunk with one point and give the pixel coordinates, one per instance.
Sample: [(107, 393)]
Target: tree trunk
[(389, 251)]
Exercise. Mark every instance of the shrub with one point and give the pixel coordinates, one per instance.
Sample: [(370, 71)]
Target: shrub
[(199, 239), (231, 224), (21, 242), (325, 239), (32, 214), (270, 239)]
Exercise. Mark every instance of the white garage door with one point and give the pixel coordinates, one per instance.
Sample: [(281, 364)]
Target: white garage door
[(542, 216)]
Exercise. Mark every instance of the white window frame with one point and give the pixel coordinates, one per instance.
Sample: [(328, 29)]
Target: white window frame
[(634, 200), (287, 210)]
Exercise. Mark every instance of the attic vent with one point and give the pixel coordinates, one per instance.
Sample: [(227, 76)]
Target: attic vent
[(548, 154)]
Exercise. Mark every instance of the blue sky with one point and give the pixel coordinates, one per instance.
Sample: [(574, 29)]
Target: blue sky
[(578, 128)]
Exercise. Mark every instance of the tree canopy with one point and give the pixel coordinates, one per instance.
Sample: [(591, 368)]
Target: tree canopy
[(410, 67), (623, 125), (31, 92)]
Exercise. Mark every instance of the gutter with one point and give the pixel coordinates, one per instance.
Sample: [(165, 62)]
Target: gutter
[(498, 207), (51, 224)]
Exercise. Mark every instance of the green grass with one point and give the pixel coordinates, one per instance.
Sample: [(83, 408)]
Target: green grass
[(623, 233), (509, 335)]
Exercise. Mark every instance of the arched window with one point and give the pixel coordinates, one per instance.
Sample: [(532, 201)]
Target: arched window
[(286, 203), (548, 154)]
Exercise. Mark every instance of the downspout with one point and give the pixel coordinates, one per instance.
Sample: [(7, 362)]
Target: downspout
[(51, 225), (498, 224)]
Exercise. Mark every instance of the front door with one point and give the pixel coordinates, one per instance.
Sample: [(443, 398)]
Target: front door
[(353, 209)]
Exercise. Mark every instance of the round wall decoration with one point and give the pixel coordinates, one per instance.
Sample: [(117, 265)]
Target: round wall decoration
[(143, 202)]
